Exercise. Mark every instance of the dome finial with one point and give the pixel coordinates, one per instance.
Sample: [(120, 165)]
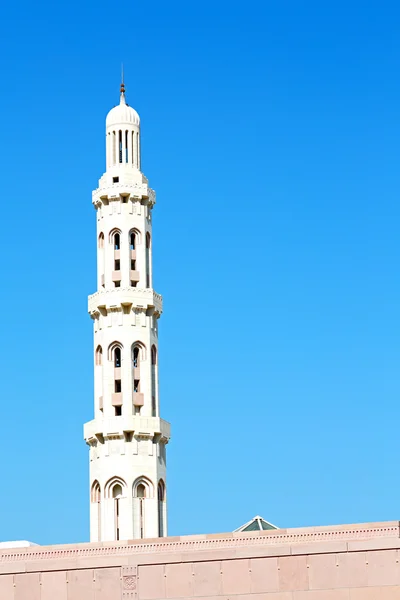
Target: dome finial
[(122, 89)]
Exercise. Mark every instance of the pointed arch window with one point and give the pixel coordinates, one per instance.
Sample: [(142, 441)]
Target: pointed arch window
[(117, 241), (135, 357), (153, 381), (161, 508), (99, 356), (142, 490), (148, 245), (117, 357), (95, 498)]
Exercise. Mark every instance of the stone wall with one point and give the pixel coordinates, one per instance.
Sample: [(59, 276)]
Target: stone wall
[(354, 562)]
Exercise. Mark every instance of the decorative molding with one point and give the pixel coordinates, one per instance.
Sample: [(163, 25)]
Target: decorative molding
[(186, 544), (129, 582), (136, 192)]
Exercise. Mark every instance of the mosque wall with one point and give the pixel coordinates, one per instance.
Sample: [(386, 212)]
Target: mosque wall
[(352, 562)]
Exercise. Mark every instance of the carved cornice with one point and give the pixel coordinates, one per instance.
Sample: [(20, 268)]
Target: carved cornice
[(138, 192), (114, 299)]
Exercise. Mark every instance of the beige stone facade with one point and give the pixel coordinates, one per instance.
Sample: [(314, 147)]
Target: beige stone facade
[(351, 562)]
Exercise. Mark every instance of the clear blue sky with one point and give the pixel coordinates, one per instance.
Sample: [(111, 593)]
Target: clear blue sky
[(271, 132)]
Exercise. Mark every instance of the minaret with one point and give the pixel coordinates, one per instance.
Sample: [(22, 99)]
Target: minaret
[(127, 437)]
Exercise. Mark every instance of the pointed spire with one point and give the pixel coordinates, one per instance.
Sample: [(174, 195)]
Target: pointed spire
[(122, 89)]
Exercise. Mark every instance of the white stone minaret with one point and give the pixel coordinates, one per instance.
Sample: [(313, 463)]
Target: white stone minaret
[(127, 438)]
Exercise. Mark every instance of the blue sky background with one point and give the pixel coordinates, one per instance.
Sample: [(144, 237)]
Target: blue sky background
[(271, 133)]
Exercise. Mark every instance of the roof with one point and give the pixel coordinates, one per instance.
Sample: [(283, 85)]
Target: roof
[(257, 524)]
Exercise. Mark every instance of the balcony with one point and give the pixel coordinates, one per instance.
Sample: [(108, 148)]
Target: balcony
[(153, 426), (136, 373), (117, 254), (116, 275), (116, 399), (133, 254), (117, 373), (138, 399)]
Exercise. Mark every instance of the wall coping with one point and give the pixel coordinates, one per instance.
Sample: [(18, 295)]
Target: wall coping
[(195, 543)]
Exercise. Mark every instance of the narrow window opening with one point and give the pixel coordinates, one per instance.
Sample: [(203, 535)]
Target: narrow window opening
[(126, 146), (133, 145), (132, 244), (153, 406), (136, 357), (117, 241), (117, 283), (117, 386), (141, 518), (118, 411), (99, 356), (113, 148), (117, 357), (120, 145), (115, 179), (117, 495), (133, 265), (133, 283), (117, 265), (148, 242), (136, 385)]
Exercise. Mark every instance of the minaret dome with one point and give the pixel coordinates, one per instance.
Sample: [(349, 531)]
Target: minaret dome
[(123, 135)]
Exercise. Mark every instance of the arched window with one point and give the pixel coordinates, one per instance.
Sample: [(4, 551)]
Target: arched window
[(138, 355), (135, 357), (141, 354), (120, 145), (101, 240), (99, 355), (153, 381), (95, 497), (117, 357), (117, 495), (126, 146), (95, 494), (148, 245), (111, 351), (141, 491), (114, 238), (133, 240), (161, 508), (117, 491), (114, 487), (143, 486), (153, 355)]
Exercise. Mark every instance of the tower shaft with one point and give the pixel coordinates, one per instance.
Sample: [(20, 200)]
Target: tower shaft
[(127, 437)]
